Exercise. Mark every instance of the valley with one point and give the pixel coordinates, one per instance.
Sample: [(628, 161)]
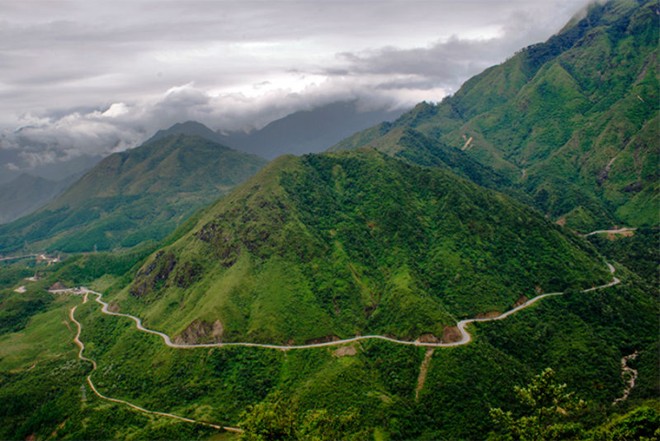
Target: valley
[(465, 339)]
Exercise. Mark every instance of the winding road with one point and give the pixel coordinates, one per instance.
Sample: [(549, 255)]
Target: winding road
[(617, 231), (461, 325), (465, 336), (629, 375), (81, 345), (27, 256)]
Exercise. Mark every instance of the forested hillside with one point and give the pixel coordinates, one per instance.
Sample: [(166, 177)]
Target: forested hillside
[(426, 279), (350, 243), (572, 121)]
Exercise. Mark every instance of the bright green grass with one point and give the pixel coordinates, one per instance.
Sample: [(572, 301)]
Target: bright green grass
[(48, 335)]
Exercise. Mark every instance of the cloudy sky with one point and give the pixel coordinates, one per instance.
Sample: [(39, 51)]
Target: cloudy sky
[(87, 76)]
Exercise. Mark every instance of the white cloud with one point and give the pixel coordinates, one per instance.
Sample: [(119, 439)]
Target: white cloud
[(95, 77)]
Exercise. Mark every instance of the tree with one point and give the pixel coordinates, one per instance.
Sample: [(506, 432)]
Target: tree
[(271, 419), (549, 412)]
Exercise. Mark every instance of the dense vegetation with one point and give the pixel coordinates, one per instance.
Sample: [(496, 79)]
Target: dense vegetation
[(365, 392), (133, 197), (350, 243), (572, 121)]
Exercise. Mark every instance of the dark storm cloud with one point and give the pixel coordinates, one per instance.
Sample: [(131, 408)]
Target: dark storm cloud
[(98, 76)]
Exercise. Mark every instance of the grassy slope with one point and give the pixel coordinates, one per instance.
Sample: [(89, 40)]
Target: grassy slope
[(133, 196), (361, 396), (43, 392), (354, 242)]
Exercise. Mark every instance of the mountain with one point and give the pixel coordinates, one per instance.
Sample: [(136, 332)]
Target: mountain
[(190, 128), (27, 193), (573, 121), (133, 196), (329, 245), (307, 131)]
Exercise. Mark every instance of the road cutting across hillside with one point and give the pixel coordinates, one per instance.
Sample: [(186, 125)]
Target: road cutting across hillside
[(81, 345), (623, 230), (461, 325)]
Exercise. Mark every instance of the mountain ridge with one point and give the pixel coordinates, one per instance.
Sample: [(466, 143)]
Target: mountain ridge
[(132, 196), (353, 260), (578, 140), (307, 131), (396, 241)]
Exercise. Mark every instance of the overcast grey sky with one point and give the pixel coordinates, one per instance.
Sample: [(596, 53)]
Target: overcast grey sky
[(86, 76)]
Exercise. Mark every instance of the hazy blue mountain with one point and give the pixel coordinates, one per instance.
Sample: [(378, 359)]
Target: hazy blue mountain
[(53, 171), (307, 131), (190, 128)]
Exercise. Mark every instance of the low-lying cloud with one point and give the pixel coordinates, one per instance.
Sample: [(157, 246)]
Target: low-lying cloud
[(72, 87)]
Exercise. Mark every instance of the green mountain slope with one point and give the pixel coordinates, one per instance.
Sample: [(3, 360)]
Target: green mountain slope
[(573, 121), (133, 196), (393, 241), (349, 243), (362, 390)]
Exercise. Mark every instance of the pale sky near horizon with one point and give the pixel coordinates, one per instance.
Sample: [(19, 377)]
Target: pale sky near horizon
[(87, 76)]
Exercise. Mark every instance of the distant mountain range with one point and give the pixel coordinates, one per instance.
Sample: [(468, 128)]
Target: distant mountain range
[(308, 131), (133, 196), (355, 238), (52, 171), (467, 208)]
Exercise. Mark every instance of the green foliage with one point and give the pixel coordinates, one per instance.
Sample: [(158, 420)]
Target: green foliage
[(364, 393), (274, 419), (268, 420), (547, 411), (52, 400), (354, 242), (15, 310), (642, 423), (83, 269), (639, 252), (342, 244), (572, 121)]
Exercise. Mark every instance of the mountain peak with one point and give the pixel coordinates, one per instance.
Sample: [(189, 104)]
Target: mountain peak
[(117, 203), (193, 128)]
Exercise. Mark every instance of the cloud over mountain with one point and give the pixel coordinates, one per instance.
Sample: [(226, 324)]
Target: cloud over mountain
[(96, 78)]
